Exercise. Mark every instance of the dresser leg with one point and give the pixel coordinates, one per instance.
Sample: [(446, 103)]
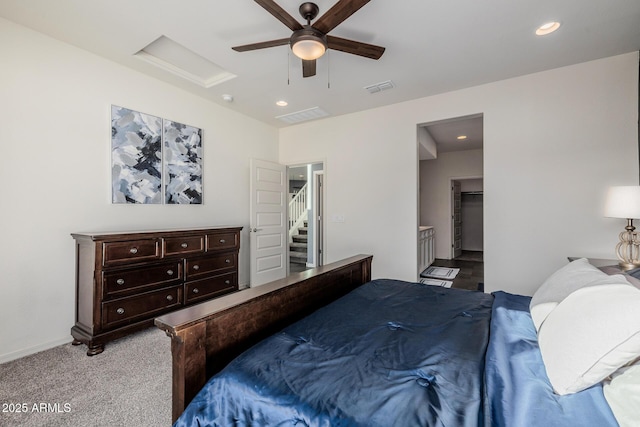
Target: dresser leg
[(97, 349), (76, 342)]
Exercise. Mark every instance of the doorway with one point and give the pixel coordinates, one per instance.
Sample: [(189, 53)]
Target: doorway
[(286, 230), (306, 216), (449, 150), (467, 204)]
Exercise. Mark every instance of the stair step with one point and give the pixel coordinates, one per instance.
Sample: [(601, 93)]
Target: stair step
[(298, 247), (301, 238), (303, 230), (298, 257)]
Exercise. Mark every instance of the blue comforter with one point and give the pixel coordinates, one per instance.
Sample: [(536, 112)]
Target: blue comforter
[(518, 390), (394, 353), (390, 353)]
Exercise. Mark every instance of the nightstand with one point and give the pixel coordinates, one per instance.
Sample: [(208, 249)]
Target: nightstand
[(597, 262)]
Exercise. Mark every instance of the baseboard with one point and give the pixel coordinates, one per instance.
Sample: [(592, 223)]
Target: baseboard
[(8, 357)]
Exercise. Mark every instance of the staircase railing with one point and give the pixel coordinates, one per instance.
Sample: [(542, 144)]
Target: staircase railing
[(297, 209)]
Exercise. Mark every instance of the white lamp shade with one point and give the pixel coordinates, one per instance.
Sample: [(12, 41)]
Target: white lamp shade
[(623, 202)]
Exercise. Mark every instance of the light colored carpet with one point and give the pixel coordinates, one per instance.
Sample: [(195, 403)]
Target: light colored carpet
[(129, 384)]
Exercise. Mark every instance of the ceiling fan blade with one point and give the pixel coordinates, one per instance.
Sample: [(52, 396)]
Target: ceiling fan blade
[(338, 13), (281, 14), (261, 45), (354, 47), (308, 68)]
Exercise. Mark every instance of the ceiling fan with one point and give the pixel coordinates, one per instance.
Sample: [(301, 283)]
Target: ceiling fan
[(309, 42)]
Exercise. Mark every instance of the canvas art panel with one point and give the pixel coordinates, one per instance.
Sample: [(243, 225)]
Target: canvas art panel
[(182, 163), (136, 157)]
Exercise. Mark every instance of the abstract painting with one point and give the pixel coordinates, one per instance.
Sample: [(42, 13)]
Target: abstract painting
[(154, 161), (136, 157), (182, 163)]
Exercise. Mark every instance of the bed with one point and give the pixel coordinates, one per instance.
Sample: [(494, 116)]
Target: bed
[(331, 347)]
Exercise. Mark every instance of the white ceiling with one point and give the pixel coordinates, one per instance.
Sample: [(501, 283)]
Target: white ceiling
[(447, 133), (431, 46)]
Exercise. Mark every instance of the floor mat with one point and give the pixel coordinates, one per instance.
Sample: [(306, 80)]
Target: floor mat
[(445, 273), (436, 282)]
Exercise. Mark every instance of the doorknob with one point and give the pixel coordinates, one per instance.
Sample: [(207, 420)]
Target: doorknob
[(255, 229)]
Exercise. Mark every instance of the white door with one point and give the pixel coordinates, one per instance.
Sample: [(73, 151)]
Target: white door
[(268, 226), (456, 218)]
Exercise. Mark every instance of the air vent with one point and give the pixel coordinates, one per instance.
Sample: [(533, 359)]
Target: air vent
[(177, 59), (304, 115), (379, 87)]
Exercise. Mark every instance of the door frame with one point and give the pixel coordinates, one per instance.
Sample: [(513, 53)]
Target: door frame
[(456, 218), (318, 229), (451, 226)]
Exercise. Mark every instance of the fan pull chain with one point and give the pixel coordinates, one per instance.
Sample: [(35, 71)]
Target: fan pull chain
[(328, 70), (288, 67)]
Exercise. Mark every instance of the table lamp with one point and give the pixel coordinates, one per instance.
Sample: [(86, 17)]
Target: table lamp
[(624, 202)]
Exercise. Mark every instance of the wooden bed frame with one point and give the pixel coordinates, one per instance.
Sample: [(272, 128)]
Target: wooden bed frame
[(207, 336)]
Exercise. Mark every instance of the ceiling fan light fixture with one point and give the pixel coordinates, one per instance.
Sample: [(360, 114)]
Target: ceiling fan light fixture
[(308, 49), (308, 43)]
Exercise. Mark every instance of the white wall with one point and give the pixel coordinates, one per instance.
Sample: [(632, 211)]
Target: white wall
[(370, 179), (427, 149), (435, 191), (553, 142), (55, 135)]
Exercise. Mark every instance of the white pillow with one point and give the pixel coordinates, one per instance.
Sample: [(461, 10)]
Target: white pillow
[(623, 395), (589, 335), (573, 276)]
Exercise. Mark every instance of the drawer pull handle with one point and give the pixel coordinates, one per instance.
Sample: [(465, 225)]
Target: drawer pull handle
[(195, 290), (222, 241), (133, 250), (170, 272), (169, 298), (196, 267), (120, 310), (228, 261), (227, 281), (184, 245), (120, 281)]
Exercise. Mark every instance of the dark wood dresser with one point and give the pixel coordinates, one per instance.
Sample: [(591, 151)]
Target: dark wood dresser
[(124, 280)]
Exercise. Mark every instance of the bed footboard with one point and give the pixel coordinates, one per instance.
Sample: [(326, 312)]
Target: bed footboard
[(207, 336)]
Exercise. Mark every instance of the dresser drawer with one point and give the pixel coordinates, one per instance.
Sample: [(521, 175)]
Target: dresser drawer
[(206, 266), (210, 287), (140, 307), (121, 282), (222, 241), (130, 251), (183, 245)]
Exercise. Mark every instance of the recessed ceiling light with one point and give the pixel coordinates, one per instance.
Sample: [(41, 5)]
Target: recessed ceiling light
[(547, 28), (461, 137), (282, 103)]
